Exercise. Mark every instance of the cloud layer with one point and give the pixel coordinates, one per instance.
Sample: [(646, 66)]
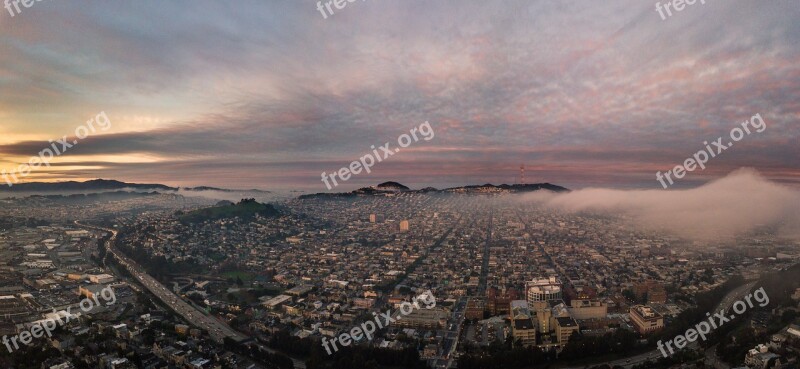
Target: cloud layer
[(736, 205), (270, 94)]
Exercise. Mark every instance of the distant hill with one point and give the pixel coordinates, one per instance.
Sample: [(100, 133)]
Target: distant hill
[(92, 185), (246, 209), (104, 185), (509, 188), (94, 197), (391, 186), (388, 188), (206, 188)]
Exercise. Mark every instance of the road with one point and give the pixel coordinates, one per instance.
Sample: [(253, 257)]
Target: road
[(452, 331), (216, 329), (451, 334)]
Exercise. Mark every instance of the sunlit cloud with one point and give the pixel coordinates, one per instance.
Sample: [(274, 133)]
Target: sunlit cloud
[(267, 94)]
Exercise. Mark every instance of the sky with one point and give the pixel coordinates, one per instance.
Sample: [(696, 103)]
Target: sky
[(269, 94)]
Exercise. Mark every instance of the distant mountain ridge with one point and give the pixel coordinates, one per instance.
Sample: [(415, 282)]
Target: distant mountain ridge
[(387, 188), (104, 184)]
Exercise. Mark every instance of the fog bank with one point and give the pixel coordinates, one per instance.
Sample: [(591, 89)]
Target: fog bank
[(719, 210)]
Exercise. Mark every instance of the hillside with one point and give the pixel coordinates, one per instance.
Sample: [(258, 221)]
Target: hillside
[(246, 209)]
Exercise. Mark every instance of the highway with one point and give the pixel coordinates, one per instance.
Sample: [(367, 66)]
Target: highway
[(217, 330)]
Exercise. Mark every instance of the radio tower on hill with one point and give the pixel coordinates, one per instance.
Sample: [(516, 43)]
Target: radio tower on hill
[(522, 174)]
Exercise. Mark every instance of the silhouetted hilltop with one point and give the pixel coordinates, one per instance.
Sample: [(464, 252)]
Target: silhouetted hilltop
[(390, 188), (246, 209)]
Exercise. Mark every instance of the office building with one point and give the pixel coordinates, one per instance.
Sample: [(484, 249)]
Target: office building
[(646, 320)]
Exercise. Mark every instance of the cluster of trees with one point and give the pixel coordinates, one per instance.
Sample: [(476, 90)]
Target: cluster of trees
[(28, 356), (734, 347), (504, 357), (780, 286), (704, 303), (246, 209), (277, 360), (735, 341), (359, 357), (157, 266), (350, 357), (11, 222), (621, 341), (680, 357)]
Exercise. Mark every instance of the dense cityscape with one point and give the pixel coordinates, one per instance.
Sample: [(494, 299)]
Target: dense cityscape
[(510, 276)]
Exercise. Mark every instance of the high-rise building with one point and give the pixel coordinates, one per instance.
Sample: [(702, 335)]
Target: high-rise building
[(403, 225), (373, 218)]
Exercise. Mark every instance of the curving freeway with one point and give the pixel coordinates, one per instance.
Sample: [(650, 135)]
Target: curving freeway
[(217, 330)]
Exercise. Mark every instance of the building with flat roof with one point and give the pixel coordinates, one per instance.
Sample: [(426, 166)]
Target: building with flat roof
[(423, 319), (276, 301), (91, 290), (564, 328), (523, 328), (645, 319), (581, 309), (300, 290), (101, 278)]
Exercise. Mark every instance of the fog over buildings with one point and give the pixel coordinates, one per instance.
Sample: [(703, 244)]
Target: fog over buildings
[(722, 210)]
